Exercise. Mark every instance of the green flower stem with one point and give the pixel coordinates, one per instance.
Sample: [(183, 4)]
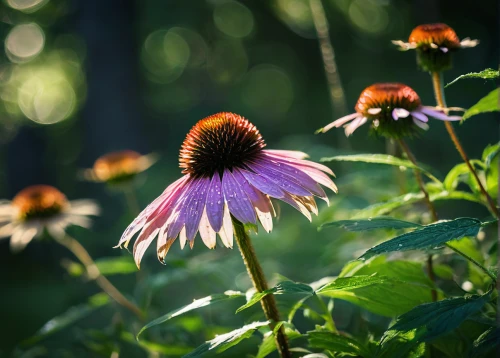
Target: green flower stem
[(259, 282), (437, 82), (330, 323), (411, 157), (94, 274), (432, 210)]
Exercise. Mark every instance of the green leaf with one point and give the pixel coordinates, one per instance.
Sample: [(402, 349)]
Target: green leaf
[(428, 237), (336, 343), (382, 295), (387, 207), (153, 347), (435, 319), (380, 159), (69, 317), (371, 224), (490, 152), (202, 302), (485, 104), (225, 341), (486, 342), (485, 74), (285, 287), (116, 265), (453, 177), (269, 344)]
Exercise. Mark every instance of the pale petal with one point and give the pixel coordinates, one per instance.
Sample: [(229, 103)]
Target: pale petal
[(207, 233), (404, 46), (467, 42), (288, 153), (399, 113), (351, 127), (22, 237), (226, 232), (340, 122), (374, 111), (420, 124), (182, 237), (83, 207)]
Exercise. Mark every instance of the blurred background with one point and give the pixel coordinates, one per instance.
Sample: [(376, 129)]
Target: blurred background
[(79, 79)]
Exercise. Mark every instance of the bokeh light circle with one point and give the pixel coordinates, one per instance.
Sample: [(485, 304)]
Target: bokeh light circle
[(234, 19), (26, 5), (24, 42)]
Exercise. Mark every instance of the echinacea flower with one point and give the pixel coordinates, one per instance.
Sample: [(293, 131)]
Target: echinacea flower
[(434, 44), (119, 167), (41, 207), (394, 110), (227, 173)]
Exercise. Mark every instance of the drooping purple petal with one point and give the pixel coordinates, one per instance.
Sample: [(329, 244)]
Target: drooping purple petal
[(183, 206), (430, 111), (420, 116), (245, 185), (420, 124), (263, 184), (195, 209), (289, 199), (215, 203), (287, 153), (340, 122), (172, 191), (295, 175), (237, 200), (294, 161), (280, 179), (143, 241)]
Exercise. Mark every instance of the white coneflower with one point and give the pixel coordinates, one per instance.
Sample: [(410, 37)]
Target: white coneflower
[(41, 207)]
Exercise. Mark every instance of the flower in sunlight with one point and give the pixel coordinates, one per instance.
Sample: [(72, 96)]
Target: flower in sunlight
[(227, 174), (41, 207), (434, 44), (119, 167), (393, 109)]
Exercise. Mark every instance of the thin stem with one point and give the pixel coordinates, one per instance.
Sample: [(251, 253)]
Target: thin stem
[(256, 274), (437, 82), (432, 210), (330, 323), (468, 258), (93, 273)]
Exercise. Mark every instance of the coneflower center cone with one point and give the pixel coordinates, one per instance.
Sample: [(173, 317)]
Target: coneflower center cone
[(219, 142), (39, 202)]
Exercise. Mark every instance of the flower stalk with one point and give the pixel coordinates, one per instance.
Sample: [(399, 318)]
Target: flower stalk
[(94, 274), (437, 82), (259, 282), (432, 210)]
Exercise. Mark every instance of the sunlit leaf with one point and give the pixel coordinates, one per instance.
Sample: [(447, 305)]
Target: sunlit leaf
[(380, 209), (430, 236), (371, 224), (490, 152), (382, 295), (285, 287), (485, 104), (225, 341), (453, 177), (431, 320), (336, 343), (486, 342), (380, 159), (69, 317), (486, 74), (202, 302), (402, 345)]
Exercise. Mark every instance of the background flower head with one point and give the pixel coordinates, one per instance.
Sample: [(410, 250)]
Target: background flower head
[(434, 44), (119, 167), (227, 173), (393, 109), (41, 207)]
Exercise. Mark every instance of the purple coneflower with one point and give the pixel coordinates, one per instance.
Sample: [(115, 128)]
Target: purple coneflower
[(394, 110), (119, 167), (41, 207), (227, 173), (433, 43)]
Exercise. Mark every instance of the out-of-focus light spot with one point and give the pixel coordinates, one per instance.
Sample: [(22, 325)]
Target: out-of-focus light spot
[(467, 286), (268, 89), (297, 15), (46, 97), (27, 5), (228, 61), (233, 19), (198, 48), (24, 42), (368, 15), (165, 55)]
